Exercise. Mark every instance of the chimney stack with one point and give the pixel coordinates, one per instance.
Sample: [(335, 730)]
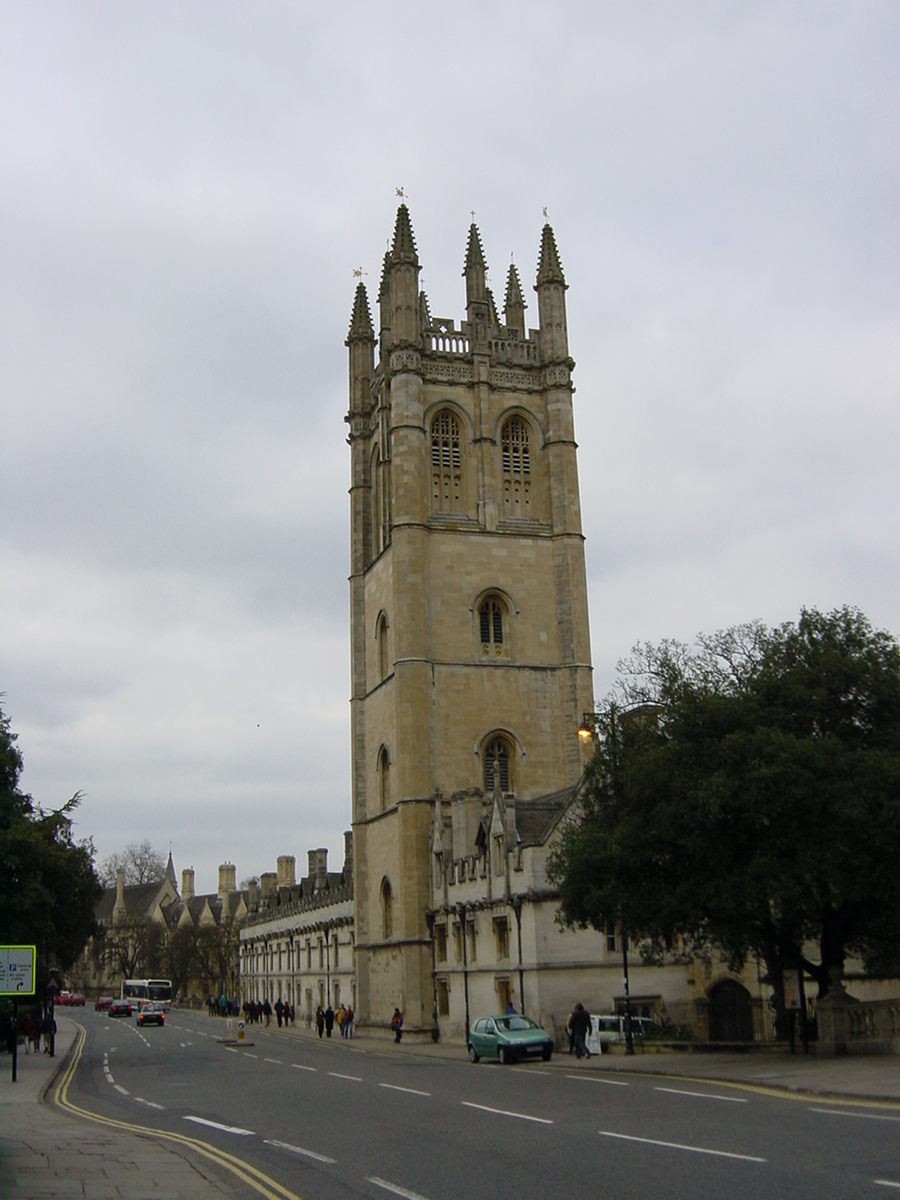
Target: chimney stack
[(321, 862), (268, 882), (287, 870), (187, 883), (226, 879)]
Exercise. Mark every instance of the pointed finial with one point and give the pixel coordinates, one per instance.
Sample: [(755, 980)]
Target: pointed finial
[(360, 319), (403, 247), (549, 267)]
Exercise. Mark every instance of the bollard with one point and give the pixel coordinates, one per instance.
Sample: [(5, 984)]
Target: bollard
[(240, 1031), (229, 1030)]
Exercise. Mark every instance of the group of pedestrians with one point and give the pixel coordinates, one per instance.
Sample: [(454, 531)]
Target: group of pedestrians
[(32, 1028), (223, 1007), (327, 1018)]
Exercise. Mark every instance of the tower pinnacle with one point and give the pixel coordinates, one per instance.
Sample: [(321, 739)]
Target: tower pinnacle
[(360, 318), (403, 247), (549, 267)]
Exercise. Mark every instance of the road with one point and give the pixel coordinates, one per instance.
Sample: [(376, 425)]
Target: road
[(327, 1121)]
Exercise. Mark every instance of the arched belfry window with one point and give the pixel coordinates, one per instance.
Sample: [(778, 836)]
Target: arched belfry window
[(384, 778), (381, 504), (381, 641), (490, 622), (446, 464), (387, 910), (516, 452), (496, 764)]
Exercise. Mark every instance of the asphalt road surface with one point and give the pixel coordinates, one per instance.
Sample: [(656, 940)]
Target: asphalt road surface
[(328, 1121)]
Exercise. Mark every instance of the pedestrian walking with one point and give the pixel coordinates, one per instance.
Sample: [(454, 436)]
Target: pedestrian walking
[(329, 1020), (581, 1025), (279, 1010), (348, 1021), (397, 1024), (320, 1020)]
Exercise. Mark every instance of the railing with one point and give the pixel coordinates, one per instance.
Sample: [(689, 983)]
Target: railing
[(449, 343), (323, 899)]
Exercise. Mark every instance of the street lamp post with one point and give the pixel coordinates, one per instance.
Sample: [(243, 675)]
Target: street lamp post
[(629, 1041)]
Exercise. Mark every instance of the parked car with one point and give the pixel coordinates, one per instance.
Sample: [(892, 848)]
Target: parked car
[(102, 1003), (507, 1038), (611, 1028), (119, 1008), (152, 1014)]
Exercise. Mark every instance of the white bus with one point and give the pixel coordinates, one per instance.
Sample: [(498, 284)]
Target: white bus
[(145, 991)]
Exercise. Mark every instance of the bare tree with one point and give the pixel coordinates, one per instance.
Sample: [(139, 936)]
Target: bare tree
[(140, 862)]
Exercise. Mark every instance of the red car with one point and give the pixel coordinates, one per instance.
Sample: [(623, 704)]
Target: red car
[(102, 1003)]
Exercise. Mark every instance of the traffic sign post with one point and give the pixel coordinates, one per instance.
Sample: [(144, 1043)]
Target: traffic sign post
[(16, 979)]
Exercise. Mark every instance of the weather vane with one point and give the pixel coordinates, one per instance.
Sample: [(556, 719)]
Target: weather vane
[(546, 218), (358, 272), (472, 211), (401, 192)]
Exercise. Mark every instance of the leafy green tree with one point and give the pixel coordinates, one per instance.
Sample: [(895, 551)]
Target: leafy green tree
[(747, 794), (48, 887)]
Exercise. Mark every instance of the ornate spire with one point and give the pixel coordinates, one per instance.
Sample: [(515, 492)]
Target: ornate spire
[(424, 312), (383, 282), (403, 248), (360, 318), (474, 253), (514, 297), (492, 309), (170, 870), (549, 267)]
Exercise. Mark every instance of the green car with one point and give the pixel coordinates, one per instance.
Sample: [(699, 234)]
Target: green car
[(507, 1038)]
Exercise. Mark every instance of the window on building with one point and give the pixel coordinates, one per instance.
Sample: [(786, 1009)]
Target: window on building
[(321, 954), (504, 994), (381, 638), (443, 998), (440, 943), (387, 911), (309, 954), (490, 621), (496, 765), (384, 778), (446, 464), (516, 457), (612, 943), (473, 942), (501, 927), (457, 942), (335, 953)]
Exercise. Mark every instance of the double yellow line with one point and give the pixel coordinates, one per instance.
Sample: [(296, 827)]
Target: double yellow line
[(248, 1174)]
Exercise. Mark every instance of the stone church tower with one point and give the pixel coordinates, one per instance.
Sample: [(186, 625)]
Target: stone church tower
[(471, 662)]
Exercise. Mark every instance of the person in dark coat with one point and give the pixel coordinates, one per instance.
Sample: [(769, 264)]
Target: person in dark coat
[(581, 1025), (329, 1020), (279, 1010), (397, 1024), (320, 1020)]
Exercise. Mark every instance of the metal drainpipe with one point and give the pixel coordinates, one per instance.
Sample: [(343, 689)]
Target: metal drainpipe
[(629, 1041), (517, 909), (328, 962)]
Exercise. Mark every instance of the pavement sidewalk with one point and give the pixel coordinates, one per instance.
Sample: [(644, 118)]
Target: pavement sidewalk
[(854, 1077), (46, 1152)]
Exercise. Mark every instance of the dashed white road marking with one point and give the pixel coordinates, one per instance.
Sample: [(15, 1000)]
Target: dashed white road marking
[(886, 1183), (299, 1150), (701, 1095), (231, 1050), (300, 1067), (149, 1103), (594, 1079), (503, 1112), (119, 1088), (395, 1087), (627, 1137), (392, 1187), (247, 1054), (277, 1061), (338, 1075), (860, 1116), (224, 1128)]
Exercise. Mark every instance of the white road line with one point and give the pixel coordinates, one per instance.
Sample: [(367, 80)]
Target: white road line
[(337, 1075), (247, 1054), (119, 1088), (701, 1095), (224, 1128), (886, 1183), (392, 1187), (840, 1112), (594, 1079), (300, 1067), (502, 1112), (395, 1087), (274, 1060), (231, 1050), (299, 1150), (625, 1137), (149, 1103)]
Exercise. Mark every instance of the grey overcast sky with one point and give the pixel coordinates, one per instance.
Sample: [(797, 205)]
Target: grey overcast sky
[(185, 191)]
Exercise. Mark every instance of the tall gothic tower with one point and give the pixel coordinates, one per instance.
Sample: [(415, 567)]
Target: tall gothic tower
[(471, 653)]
